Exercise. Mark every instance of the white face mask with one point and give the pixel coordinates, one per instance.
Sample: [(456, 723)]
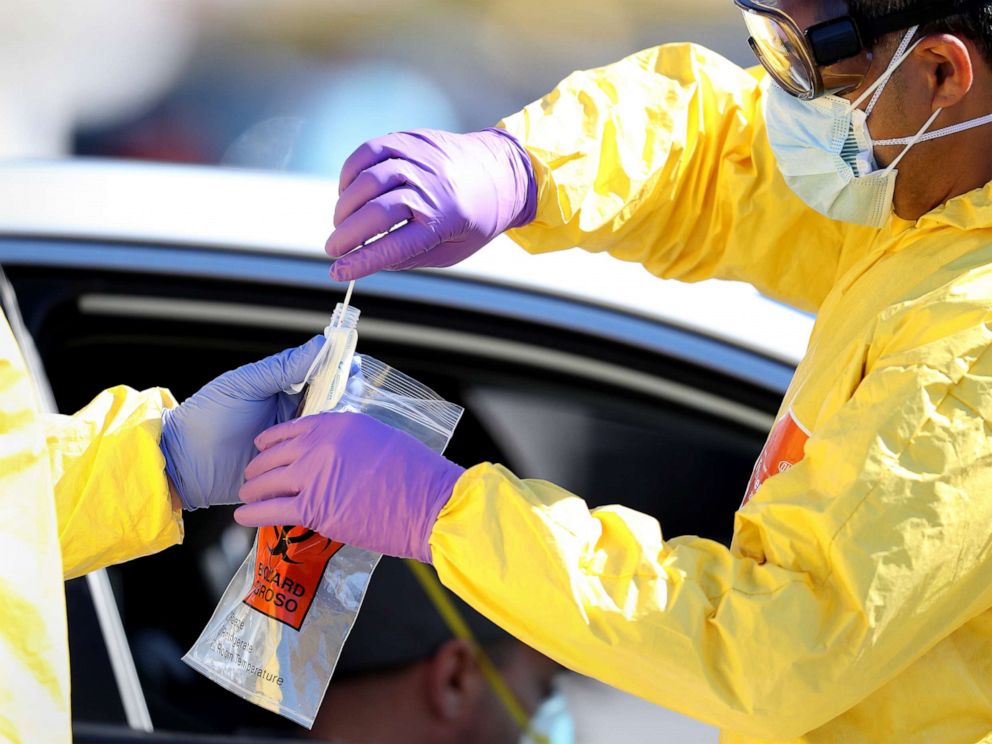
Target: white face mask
[(826, 153), (551, 723)]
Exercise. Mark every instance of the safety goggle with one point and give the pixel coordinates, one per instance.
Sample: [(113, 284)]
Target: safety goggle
[(812, 47)]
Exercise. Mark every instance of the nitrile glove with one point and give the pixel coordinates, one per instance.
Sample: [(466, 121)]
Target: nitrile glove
[(209, 439), (456, 192), (349, 478)]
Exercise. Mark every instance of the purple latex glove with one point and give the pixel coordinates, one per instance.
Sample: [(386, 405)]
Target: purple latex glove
[(350, 478), (456, 192)]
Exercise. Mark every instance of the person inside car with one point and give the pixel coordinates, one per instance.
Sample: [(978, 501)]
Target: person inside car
[(404, 677)]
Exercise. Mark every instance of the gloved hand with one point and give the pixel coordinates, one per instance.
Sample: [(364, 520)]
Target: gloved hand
[(208, 440), (457, 192), (350, 478)]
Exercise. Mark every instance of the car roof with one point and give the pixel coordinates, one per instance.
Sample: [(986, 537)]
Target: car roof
[(262, 211)]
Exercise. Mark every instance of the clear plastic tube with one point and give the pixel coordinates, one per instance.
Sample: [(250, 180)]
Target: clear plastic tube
[(328, 375)]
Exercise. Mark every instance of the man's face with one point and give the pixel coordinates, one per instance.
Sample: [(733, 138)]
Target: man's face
[(444, 698), (530, 676)]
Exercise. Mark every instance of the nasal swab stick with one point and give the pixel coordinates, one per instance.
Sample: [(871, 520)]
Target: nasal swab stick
[(347, 301)]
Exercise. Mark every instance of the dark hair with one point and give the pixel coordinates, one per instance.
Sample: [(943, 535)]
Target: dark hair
[(974, 23)]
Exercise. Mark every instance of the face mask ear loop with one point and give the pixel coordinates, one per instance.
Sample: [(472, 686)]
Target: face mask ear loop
[(901, 55), (954, 129), (913, 141)]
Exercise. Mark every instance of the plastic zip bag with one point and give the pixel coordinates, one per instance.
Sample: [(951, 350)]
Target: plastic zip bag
[(276, 634)]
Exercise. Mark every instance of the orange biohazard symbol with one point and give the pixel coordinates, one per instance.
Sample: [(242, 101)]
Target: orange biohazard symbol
[(286, 541), (289, 565)]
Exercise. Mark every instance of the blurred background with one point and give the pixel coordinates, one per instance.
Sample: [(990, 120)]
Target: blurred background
[(297, 84)]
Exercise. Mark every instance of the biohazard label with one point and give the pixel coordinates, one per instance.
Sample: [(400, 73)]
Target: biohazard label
[(289, 564), (784, 448)]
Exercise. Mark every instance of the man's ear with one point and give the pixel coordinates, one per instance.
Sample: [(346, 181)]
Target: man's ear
[(455, 684), (948, 62)]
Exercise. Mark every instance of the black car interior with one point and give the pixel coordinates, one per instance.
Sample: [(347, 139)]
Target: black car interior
[(610, 445)]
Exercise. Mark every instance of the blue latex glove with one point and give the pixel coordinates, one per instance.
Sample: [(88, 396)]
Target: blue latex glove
[(349, 478), (208, 440), (456, 192)]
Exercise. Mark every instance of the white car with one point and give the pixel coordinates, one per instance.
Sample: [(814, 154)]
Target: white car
[(572, 367)]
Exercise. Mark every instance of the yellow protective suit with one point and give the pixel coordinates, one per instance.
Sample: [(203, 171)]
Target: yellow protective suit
[(854, 603), (76, 493)]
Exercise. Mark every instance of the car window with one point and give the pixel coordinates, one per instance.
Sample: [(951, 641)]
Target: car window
[(684, 467), (669, 453)]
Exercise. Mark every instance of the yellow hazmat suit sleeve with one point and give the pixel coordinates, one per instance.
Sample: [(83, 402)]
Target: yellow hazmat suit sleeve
[(663, 159), (845, 569), (111, 493)]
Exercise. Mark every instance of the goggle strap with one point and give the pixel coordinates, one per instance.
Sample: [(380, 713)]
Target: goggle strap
[(460, 629)]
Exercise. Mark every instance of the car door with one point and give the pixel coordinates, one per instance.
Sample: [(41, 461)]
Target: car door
[(609, 405)]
